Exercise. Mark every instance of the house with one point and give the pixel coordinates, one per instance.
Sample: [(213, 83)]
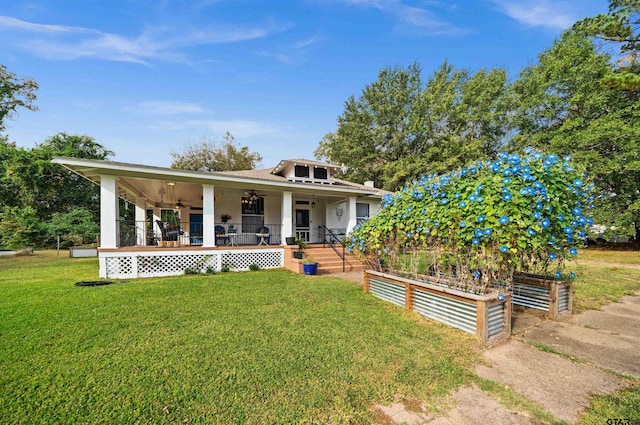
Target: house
[(188, 219)]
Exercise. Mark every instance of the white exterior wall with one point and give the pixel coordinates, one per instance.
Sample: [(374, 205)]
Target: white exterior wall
[(336, 215)]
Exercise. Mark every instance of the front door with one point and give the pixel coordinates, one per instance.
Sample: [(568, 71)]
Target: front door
[(302, 224)]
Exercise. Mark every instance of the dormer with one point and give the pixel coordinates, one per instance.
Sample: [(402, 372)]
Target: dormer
[(306, 171)]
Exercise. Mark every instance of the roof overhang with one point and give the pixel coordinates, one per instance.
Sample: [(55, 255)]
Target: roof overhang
[(92, 169)]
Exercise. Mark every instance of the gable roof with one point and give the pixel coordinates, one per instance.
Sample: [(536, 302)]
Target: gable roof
[(283, 164)]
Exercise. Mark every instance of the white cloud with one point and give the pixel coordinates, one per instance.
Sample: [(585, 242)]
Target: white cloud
[(542, 13), (158, 43), (426, 21), (164, 107), (239, 128)]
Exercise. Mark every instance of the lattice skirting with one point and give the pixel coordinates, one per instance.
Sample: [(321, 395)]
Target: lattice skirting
[(173, 263)]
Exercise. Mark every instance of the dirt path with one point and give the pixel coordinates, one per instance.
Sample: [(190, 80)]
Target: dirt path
[(558, 366)]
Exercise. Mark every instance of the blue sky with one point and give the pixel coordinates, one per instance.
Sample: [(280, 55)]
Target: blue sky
[(145, 78)]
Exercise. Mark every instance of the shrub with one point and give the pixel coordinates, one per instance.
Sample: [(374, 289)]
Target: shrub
[(482, 223), (254, 267)]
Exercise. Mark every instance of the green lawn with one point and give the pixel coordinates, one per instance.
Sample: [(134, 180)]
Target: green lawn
[(599, 284), (253, 347), (610, 256)]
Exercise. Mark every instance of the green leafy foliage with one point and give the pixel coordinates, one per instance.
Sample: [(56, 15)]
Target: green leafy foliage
[(618, 27), (21, 228), (561, 108), (15, 93), (486, 221), (216, 156), (400, 126), (77, 227)]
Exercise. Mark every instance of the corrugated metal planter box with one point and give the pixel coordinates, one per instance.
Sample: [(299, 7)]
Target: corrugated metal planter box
[(534, 291), (483, 315), (83, 251)]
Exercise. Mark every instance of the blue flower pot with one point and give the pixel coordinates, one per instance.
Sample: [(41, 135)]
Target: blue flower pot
[(310, 269)]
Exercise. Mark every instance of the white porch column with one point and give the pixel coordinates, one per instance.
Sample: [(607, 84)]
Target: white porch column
[(108, 212), (141, 221), (351, 214), (286, 213), (208, 216)]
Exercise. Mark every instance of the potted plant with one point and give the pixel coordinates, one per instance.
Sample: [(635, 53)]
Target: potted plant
[(302, 244), (291, 240), (310, 265), (225, 217)]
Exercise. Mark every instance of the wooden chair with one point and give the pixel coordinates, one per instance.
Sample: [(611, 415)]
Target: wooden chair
[(168, 234)]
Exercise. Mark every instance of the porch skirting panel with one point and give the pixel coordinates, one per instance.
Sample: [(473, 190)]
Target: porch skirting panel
[(134, 264)]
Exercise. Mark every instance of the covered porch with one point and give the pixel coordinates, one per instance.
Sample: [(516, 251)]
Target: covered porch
[(159, 221)]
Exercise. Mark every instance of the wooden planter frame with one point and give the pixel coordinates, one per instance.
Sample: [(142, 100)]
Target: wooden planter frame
[(483, 315), (535, 291)]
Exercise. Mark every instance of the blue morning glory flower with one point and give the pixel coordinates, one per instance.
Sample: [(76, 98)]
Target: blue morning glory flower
[(462, 204), (506, 180), (409, 209), (577, 211), (481, 218), (573, 251), (507, 196), (404, 216), (457, 195), (476, 275), (546, 223), (504, 249), (409, 235), (561, 217), (531, 231), (506, 172), (475, 241), (552, 256), (539, 205), (528, 150), (473, 197), (478, 233), (536, 215), (558, 275), (444, 201), (577, 182), (503, 220), (572, 275), (487, 231), (568, 230), (463, 224)]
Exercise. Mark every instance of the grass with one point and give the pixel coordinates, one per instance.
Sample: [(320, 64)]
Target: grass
[(610, 256), (624, 404), (254, 347), (599, 285)]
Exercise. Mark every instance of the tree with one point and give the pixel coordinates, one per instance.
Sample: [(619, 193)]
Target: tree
[(618, 27), (28, 178), (211, 155), (15, 93), (560, 107), (400, 128)]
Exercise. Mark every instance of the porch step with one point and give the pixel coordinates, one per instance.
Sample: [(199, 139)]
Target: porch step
[(329, 262)]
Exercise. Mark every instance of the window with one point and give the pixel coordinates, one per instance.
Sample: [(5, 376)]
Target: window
[(362, 212), (302, 171), (320, 173), (252, 213)]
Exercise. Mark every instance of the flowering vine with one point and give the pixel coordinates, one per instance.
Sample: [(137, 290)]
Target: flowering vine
[(482, 223)]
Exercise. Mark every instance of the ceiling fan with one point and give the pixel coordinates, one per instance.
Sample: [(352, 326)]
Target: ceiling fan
[(252, 195)]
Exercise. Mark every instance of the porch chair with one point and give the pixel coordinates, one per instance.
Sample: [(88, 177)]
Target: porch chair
[(262, 236), (168, 234), (221, 235)]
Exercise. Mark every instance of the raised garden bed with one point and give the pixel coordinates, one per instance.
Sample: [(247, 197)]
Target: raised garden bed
[(486, 316), (535, 291)]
